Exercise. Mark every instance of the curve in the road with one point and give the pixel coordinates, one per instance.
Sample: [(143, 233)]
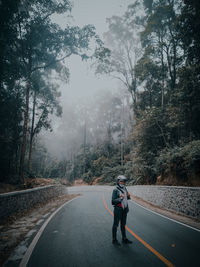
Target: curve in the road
[(162, 258), (83, 237)]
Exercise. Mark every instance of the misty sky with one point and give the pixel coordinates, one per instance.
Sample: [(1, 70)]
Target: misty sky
[(83, 82)]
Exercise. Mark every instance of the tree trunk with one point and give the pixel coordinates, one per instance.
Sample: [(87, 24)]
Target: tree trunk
[(32, 133), (84, 146), (122, 136), (23, 149), (163, 80), (122, 153)]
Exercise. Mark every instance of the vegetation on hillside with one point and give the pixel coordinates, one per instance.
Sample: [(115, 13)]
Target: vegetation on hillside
[(149, 131)]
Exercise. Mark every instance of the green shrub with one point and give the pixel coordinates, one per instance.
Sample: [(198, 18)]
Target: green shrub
[(181, 162), (87, 177), (110, 174)]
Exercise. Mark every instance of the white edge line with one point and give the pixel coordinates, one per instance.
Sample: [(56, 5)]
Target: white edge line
[(166, 217), (29, 251)]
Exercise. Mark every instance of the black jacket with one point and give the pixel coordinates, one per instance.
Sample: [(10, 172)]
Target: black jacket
[(116, 199)]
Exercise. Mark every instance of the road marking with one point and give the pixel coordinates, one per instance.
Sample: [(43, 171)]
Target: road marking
[(173, 220), (163, 259), (30, 249)]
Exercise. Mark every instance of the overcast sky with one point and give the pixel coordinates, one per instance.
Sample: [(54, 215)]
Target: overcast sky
[(83, 83)]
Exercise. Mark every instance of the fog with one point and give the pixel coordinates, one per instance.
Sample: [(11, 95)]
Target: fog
[(84, 86)]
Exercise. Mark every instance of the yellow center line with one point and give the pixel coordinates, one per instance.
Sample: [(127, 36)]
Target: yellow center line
[(163, 259)]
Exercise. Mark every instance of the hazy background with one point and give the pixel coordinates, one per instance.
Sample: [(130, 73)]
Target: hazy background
[(83, 84)]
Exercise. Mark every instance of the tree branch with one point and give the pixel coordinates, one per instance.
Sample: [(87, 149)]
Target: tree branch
[(51, 63)]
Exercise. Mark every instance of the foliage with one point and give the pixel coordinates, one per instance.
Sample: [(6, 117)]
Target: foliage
[(32, 49), (159, 66), (122, 49), (152, 49), (180, 162), (168, 105)]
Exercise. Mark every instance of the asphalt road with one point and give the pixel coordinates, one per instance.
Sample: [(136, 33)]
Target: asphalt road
[(79, 235)]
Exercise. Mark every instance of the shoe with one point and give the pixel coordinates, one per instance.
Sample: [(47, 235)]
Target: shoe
[(126, 241), (116, 242)]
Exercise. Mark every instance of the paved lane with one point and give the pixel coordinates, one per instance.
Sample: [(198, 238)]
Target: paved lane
[(80, 235), (179, 244)]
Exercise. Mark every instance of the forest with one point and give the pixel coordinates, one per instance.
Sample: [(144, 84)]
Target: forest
[(148, 130)]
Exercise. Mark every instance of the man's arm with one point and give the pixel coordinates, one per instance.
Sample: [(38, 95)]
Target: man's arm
[(128, 195)]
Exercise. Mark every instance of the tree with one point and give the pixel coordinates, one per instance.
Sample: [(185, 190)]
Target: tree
[(162, 43), (10, 90), (44, 44), (10, 129), (150, 76), (168, 72), (188, 93), (123, 49), (36, 44), (44, 103)]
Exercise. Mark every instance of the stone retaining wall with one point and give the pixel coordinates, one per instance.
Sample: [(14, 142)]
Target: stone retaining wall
[(11, 203), (184, 200)]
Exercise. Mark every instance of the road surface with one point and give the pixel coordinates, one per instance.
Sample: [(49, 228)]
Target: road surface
[(79, 235)]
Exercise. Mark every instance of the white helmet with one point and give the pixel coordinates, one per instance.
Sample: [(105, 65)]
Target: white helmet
[(121, 178)]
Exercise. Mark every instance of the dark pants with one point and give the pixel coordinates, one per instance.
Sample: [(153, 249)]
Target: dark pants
[(119, 215)]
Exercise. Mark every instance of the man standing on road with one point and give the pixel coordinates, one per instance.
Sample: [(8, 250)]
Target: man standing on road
[(120, 198)]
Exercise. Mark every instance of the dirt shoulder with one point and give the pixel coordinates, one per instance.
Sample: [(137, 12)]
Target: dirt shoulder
[(171, 214), (16, 228)]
